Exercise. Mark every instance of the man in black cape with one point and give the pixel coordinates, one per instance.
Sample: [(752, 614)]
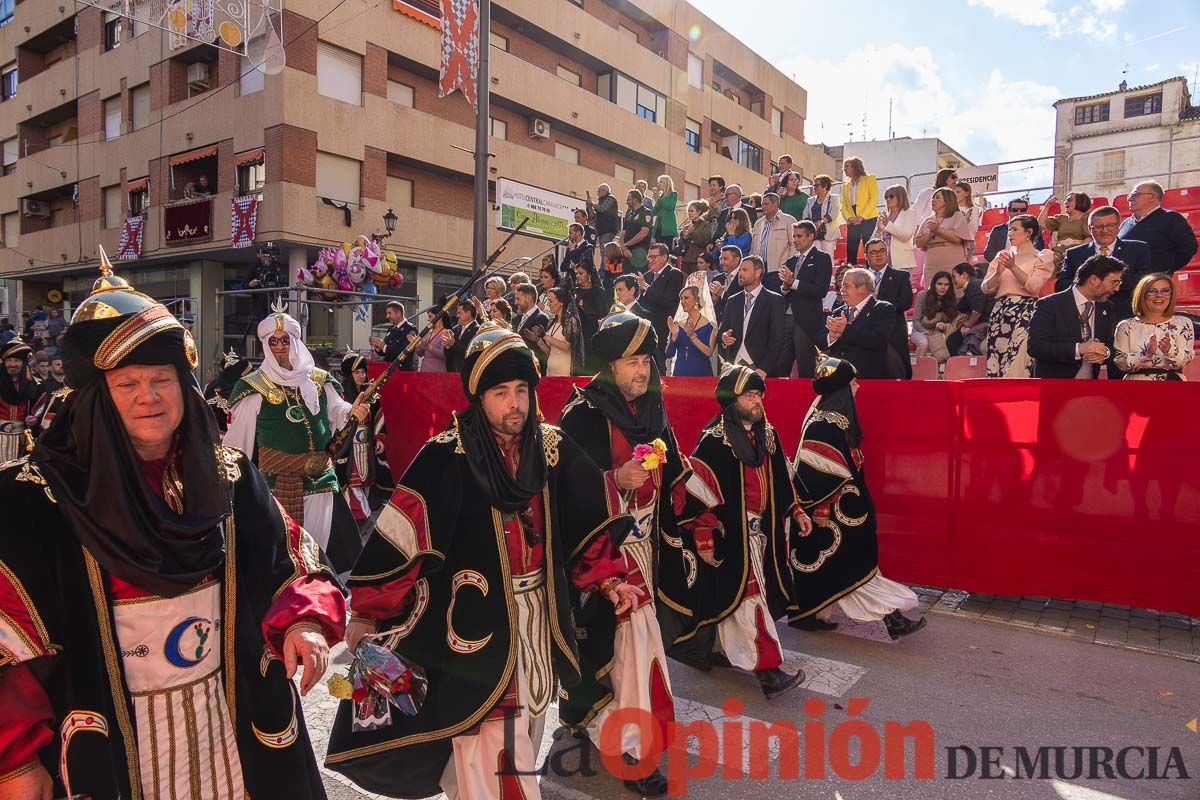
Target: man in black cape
[(18, 393), (741, 537), (625, 666), (839, 563), (219, 389), (156, 601), (361, 464), (467, 573)]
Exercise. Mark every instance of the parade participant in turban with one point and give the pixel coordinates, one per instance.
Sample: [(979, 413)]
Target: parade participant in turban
[(283, 414), (618, 411), (468, 573), (18, 394), (838, 565), (157, 602), (741, 536), (218, 391)]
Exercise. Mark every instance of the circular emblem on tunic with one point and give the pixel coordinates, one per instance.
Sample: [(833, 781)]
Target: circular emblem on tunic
[(185, 645), (294, 414)]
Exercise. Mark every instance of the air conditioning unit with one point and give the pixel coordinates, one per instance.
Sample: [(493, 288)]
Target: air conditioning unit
[(197, 75), (35, 208), (539, 128)]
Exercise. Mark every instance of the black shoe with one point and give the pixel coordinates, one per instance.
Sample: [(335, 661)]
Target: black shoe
[(775, 682), (812, 624), (653, 785), (720, 660), (899, 625)]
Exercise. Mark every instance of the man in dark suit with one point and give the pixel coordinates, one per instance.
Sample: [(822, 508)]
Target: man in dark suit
[(660, 295), (724, 283), (893, 286), (530, 321), (998, 238), (733, 199), (752, 326), (396, 338), (862, 333), (803, 281), (579, 251), (1071, 333), (464, 332), (1134, 254), (1171, 240)]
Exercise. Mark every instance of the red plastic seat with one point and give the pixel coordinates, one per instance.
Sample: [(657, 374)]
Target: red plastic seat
[(1099, 201), (1184, 199), (839, 251), (925, 368), (993, 217), (961, 368), (1121, 203), (981, 238), (1193, 218), (1035, 209), (1187, 281)]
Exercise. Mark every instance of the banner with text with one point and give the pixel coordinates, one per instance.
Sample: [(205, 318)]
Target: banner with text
[(549, 213), (984, 178)]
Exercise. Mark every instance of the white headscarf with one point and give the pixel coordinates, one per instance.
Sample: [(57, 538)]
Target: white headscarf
[(300, 375)]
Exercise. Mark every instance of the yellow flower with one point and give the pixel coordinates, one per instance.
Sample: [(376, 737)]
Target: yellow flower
[(339, 687), (651, 461)]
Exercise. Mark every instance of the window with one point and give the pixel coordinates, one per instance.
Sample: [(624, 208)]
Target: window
[(691, 135), (1113, 168), (628, 32), (10, 156), (112, 117), (400, 93), (499, 128), (691, 191), (399, 192), (339, 74), (137, 27), (251, 177), (497, 41), (12, 229), (8, 82), (139, 107), (112, 31), (695, 71), (113, 212), (623, 174), (567, 75), (139, 197), (564, 153), (616, 87), (1096, 112), (251, 77), (776, 122), (6, 11), (1144, 105), (338, 177), (749, 155)]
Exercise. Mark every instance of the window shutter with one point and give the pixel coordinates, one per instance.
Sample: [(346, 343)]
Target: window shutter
[(338, 177), (339, 74)]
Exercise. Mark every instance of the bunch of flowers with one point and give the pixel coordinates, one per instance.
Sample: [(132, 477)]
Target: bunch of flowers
[(377, 678), (651, 455)]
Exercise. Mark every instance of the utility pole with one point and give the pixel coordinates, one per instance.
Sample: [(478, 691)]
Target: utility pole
[(482, 211)]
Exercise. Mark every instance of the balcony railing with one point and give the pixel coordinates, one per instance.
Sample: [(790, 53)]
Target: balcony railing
[(1112, 175)]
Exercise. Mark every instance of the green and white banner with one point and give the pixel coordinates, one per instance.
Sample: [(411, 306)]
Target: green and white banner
[(549, 213)]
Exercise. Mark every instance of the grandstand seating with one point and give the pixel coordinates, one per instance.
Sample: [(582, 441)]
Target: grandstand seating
[(960, 368)]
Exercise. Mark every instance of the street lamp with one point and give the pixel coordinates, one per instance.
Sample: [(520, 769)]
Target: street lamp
[(389, 224)]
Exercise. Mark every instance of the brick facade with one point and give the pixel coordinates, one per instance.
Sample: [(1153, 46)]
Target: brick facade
[(436, 193), (226, 172), (90, 201), (373, 178), (300, 42), (291, 155), (90, 115), (793, 124), (89, 28), (541, 56), (375, 70)]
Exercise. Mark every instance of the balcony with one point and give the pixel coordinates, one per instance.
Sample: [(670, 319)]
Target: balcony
[(43, 92), (1111, 175)]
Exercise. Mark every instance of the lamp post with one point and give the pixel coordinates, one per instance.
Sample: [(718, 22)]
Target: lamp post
[(389, 224)]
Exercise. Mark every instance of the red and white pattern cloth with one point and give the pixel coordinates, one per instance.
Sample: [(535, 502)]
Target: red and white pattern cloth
[(243, 217), (131, 238), (460, 49)]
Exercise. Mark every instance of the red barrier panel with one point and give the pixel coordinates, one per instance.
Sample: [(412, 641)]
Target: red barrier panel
[(1014, 487)]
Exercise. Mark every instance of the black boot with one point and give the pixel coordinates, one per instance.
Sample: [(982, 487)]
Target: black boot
[(653, 785), (899, 625), (775, 682), (812, 624)]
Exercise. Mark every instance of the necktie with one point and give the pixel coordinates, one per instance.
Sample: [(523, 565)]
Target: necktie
[(749, 304), (1086, 320), (1103, 251), (765, 241), (850, 315)]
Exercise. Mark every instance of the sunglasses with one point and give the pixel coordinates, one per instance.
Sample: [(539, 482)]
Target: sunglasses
[(274, 342), (1159, 292)]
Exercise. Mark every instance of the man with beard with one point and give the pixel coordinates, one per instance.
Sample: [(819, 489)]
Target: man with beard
[(467, 573), (218, 391), (357, 466), (619, 409), (741, 536), (156, 605), (839, 563), (18, 392), (283, 414)]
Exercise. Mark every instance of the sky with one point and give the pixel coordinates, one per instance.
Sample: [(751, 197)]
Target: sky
[(982, 75)]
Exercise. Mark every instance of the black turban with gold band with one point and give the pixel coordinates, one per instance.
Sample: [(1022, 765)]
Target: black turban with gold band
[(496, 355), (831, 382), (623, 334), (25, 390), (164, 545), (749, 445)]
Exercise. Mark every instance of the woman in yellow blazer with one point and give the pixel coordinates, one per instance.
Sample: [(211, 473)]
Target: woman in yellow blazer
[(860, 205)]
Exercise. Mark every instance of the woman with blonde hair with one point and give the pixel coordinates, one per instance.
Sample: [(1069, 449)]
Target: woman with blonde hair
[(896, 227), (494, 288), (942, 235), (860, 201), (1156, 343), (665, 200)]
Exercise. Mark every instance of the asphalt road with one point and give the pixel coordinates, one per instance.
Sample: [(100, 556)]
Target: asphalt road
[(975, 683)]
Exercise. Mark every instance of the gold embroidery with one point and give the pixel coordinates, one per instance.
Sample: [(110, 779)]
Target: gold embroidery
[(171, 771), (551, 436), (212, 747), (229, 623), (154, 745), (45, 646), (29, 474), (227, 462), (193, 744), (830, 416)]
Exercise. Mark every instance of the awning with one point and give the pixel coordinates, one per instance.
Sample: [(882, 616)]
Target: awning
[(248, 157), (139, 185), (425, 11), (192, 155)]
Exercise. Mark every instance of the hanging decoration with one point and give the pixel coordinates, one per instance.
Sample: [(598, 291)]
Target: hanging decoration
[(131, 239), (460, 49), (243, 219)]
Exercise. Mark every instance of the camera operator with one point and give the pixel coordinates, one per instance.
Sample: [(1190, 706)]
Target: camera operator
[(265, 274)]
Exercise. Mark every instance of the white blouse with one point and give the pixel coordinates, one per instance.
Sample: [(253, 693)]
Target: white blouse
[(1134, 356)]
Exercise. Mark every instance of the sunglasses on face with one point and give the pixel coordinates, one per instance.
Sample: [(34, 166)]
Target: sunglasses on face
[(1159, 292), (274, 342)]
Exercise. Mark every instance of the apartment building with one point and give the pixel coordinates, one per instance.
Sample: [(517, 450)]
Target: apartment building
[(102, 122)]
